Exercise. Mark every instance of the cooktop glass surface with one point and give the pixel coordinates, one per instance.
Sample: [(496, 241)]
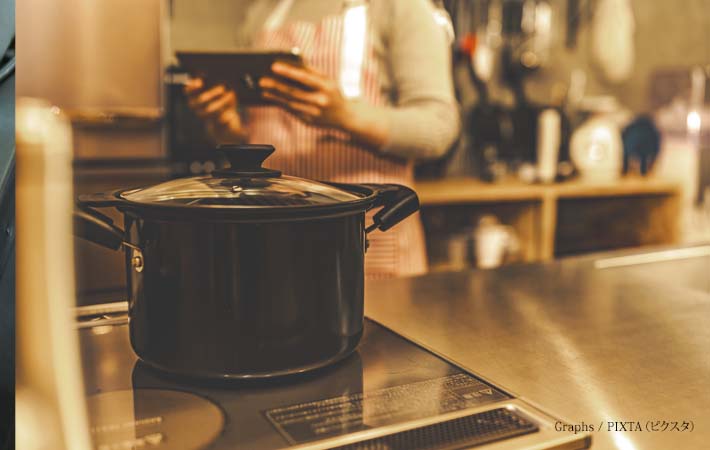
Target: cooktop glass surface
[(387, 381)]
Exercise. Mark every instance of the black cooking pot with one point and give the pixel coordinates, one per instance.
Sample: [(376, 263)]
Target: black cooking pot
[(244, 273)]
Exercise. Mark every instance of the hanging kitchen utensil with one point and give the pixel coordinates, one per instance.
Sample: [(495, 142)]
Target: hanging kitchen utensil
[(613, 39)]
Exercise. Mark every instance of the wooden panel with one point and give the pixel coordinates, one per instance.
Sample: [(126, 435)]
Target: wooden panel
[(547, 229), (593, 224)]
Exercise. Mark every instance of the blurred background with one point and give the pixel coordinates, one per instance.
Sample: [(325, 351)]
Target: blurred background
[(585, 123)]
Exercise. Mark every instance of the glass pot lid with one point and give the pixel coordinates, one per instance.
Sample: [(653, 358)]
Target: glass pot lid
[(245, 184)]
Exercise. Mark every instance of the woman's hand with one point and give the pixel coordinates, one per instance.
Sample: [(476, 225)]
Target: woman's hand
[(217, 107), (319, 102)]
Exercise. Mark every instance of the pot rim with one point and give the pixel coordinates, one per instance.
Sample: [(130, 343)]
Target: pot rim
[(171, 212)]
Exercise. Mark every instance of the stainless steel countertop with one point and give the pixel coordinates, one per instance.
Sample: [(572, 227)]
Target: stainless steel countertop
[(592, 340)]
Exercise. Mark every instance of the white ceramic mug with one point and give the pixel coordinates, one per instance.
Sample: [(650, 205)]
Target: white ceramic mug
[(493, 241)]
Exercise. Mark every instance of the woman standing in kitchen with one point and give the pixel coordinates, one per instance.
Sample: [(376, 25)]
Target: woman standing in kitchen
[(377, 96)]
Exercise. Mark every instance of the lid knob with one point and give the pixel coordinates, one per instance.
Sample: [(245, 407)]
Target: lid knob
[(245, 160)]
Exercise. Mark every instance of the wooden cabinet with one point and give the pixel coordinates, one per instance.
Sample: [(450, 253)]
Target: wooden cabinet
[(552, 220)]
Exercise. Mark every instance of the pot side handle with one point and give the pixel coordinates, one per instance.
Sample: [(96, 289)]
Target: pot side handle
[(99, 200), (97, 228), (398, 202)]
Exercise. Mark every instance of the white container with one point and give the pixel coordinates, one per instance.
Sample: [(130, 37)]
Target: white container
[(494, 241), (548, 145), (596, 150)]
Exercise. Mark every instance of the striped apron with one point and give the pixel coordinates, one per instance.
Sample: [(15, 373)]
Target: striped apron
[(340, 46)]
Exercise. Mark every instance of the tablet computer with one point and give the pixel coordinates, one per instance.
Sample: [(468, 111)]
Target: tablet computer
[(238, 70)]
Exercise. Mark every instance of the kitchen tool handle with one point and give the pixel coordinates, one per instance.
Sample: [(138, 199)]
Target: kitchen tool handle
[(398, 202), (97, 228)]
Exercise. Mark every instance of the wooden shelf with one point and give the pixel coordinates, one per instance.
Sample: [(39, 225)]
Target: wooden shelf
[(555, 219), (466, 190)]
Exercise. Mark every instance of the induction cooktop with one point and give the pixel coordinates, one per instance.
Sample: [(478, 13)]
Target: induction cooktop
[(389, 394)]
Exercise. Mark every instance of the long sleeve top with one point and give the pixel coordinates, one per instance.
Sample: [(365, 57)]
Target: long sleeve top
[(422, 112)]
